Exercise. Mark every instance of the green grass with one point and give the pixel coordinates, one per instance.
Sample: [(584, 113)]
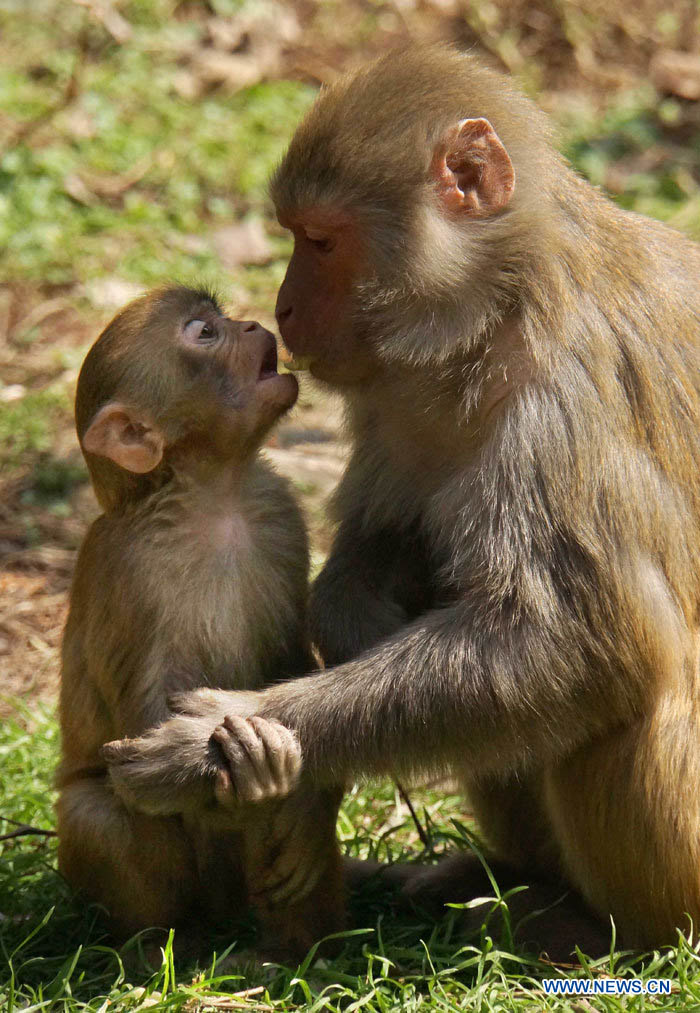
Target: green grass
[(195, 165), (56, 956), (26, 424), (180, 169), (130, 181), (640, 150)]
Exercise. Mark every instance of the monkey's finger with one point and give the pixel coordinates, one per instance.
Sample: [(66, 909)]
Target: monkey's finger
[(293, 755), (286, 821), (290, 758), (297, 885), (249, 739), (223, 789), (299, 848), (242, 773), (268, 884), (279, 744)]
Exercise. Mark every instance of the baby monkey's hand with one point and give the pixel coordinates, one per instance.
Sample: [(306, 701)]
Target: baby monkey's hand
[(290, 848), (262, 760)]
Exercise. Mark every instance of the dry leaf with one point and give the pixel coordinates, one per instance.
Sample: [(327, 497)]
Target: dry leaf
[(111, 293), (677, 73), (244, 243), (13, 392), (239, 51), (110, 18)]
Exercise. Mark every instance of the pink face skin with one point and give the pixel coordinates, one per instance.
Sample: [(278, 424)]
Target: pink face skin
[(244, 349), (314, 304)]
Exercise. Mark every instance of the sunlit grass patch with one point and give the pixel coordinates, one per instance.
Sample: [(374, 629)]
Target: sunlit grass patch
[(57, 957), (116, 184), (27, 424)]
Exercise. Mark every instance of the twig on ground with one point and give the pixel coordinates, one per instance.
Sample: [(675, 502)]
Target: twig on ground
[(425, 841), (24, 830), (110, 18), (36, 316), (24, 131), (236, 1000)]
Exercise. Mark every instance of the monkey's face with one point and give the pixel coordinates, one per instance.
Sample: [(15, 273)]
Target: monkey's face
[(398, 193), (315, 305), (232, 392), (172, 375)]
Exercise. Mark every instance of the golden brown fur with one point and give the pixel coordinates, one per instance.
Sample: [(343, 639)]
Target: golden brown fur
[(513, 594), (559, 496), (195, 576)]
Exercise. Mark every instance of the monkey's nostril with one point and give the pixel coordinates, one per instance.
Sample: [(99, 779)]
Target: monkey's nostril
[(284, 315), (250, 325)]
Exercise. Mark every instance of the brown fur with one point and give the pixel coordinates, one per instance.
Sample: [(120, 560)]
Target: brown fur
[(532, 409), (195, 575), (513, 594)]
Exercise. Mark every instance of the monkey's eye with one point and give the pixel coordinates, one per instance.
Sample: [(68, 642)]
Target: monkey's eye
[(324, 244), (200, 330)]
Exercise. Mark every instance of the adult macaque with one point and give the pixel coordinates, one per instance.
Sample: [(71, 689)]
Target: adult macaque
[(513, 594), (195, 575)]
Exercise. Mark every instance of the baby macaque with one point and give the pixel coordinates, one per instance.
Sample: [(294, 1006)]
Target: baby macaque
[(194, 576)]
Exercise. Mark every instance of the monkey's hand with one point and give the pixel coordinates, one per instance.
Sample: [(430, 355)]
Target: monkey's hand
[(170, 769), (262, 760), (289, 848), (173, 767)]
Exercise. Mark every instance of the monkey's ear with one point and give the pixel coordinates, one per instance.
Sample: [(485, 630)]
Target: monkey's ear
[(472, 169), (119, 433)]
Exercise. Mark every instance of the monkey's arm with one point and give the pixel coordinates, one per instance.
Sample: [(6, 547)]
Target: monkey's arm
[(353, 605), (562, 625), (170, 769), (559, 627), (157, 763), (520, 669), (450, 688), (209, 759), (495, 687)]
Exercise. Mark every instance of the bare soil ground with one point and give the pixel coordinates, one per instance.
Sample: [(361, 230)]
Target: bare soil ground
[(307, 447)]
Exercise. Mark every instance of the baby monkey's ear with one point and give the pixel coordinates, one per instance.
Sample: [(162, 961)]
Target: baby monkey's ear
[(125, 436)]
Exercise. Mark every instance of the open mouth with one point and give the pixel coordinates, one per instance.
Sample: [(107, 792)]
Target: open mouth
[(268, 366)]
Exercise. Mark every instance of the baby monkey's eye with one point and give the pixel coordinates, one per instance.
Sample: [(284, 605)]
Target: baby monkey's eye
[(200, 330)]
